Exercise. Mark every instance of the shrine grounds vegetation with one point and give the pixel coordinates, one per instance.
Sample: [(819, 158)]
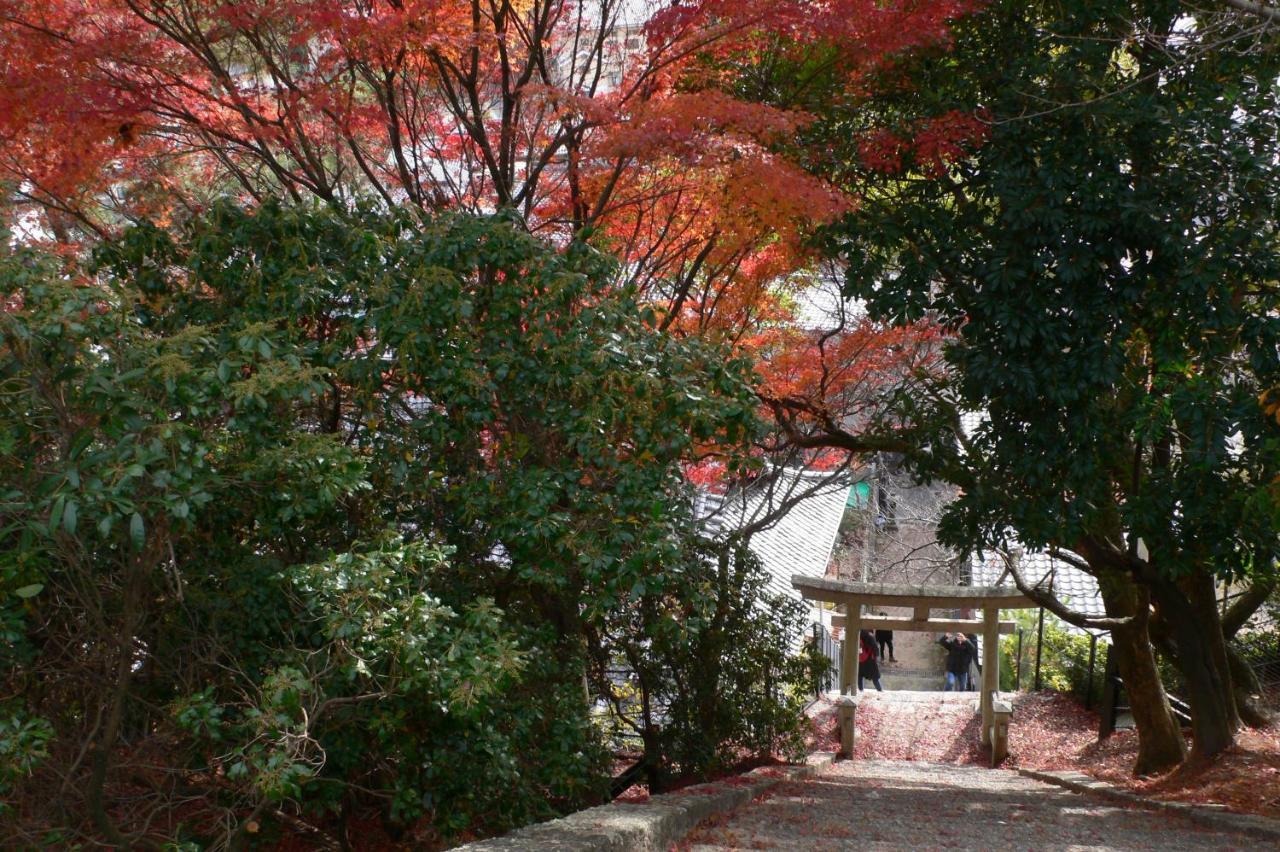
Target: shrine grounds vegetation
[(1102, 251), (329, 523), (1064, 659), (344, 520), (339, 524)]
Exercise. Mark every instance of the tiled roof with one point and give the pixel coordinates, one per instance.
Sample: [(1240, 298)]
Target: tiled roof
[(800, 542), (1073, 587), (971, 421)]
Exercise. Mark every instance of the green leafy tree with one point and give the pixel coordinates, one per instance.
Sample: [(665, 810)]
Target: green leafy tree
[(1106, 256), (713, 679), (1064, 657), (310, 515), (1084, 195)]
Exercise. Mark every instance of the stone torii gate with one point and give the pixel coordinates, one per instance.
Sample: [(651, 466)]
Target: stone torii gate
[(851, 597)]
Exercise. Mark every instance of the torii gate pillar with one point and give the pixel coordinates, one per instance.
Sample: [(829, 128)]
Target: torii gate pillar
[(921, 599), (849, 650), (990, 669)]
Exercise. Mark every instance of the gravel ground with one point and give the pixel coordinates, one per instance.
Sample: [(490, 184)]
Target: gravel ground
[(915, 805)]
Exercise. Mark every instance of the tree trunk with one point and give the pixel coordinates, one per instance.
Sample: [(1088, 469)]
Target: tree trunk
[(1191, 613), (1248, 602), (1245, 682), (1160, 743), (100, 761), (1248, 690), (115, 694)]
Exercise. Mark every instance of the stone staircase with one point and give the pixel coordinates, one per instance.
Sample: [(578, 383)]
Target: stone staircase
[(898, 700), (920, 666), (897, 677)]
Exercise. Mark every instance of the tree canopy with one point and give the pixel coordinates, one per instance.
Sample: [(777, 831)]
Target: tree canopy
[(606, 117), (1104, 254), (305, 509)]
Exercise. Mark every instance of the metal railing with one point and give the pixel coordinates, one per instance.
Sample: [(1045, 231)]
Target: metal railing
[(824, 643), (1114, 706)]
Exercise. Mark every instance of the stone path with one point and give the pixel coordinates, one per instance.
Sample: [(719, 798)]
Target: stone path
[(910, 805), (931, 726)]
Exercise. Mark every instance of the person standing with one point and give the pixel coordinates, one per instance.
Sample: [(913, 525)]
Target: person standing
[(959, 656), (884, 639), (977, 662), (868, 667)]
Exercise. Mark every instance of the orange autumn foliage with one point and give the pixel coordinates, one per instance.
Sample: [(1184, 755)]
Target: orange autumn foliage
[(835, 389), (547, 106), (613, 119)]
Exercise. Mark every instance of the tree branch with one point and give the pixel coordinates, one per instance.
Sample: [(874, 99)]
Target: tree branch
[(1046, 599), (1246, 605), (1262, 10)]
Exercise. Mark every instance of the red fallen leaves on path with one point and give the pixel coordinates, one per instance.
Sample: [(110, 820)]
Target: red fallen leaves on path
[(1245, 778), (939, 733), (636, 794), (891, 730), (1052, 731), (824, 733)]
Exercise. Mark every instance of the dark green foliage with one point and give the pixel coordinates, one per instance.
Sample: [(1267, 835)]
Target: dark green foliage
[(1064, 659), (1086, 195), (326, 515), (713, 680), (1108, 259)]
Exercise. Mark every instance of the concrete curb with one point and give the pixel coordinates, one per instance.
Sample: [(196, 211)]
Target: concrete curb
[(649, 826), (1254, 826)]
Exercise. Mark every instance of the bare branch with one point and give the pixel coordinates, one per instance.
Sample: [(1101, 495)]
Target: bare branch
[(1262, 10), (1045, 598)]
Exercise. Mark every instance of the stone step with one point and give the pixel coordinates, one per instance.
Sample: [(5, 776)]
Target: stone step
[(912, 684), (910, 696), (932, 680), (909, 671)]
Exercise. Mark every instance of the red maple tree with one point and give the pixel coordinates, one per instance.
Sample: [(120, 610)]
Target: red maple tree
[(611, 119)]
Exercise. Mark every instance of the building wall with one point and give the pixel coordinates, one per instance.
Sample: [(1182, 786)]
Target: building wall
[(891, 535)]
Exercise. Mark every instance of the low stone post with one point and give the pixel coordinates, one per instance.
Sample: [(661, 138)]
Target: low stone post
[(1001, 713), (845, 709)]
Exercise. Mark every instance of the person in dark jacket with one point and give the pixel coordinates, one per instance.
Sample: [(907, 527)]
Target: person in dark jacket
[(867, 665), (977, 661), (959, 656), (884, 639)]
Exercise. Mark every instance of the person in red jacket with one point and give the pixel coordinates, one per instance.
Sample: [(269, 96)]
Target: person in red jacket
[(868, 667)]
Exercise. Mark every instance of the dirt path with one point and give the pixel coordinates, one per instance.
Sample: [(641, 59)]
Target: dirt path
[(913, 805)]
